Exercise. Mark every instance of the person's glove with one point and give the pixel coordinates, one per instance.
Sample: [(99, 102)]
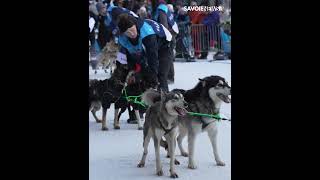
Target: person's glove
[(131, 80), (137, 68)]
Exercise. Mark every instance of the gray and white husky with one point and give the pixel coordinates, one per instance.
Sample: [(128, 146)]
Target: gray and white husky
[(206, 97), (162, 120)]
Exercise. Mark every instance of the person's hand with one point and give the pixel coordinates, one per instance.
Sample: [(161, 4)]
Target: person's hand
[(131, 80)]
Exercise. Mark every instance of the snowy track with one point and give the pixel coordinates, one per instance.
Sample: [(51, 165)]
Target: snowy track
[(114, 154)]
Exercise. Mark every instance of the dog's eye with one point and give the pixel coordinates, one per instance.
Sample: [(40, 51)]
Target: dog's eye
[(175, 99), (219, 85)]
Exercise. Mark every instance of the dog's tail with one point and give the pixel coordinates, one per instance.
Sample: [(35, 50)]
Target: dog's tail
[(150, 97)]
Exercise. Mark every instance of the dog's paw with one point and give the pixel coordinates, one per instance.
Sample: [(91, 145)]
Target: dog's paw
[(160, 173), (192, 166), (174, 175), (140, 165), (98, 121), (116, 127), (104, 129), (185, 154), (176, 162), (140, 128), (220, 163)]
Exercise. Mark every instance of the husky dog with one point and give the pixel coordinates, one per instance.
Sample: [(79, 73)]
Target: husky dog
[(162, 120), (206, 97), (141, 82), (108, 55), (102, 93), (135, 88), (94, 97)]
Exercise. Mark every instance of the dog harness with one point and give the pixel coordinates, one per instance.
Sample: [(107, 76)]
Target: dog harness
[(134, 99), (204, 123), (166, 130)]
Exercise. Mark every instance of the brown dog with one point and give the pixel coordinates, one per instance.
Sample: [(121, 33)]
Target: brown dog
[(108, 56)]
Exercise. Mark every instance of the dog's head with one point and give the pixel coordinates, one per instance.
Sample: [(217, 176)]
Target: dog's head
[(174, 103), (217, 88), (139, 85), (147, 83), (111, 47), (120, 73), (94, 85)]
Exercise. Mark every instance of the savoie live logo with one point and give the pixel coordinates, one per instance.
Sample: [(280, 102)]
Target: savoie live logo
[(203, 8)]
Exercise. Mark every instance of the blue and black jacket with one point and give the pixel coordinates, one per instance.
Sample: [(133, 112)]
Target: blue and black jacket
[(165, 17), (152, 37)]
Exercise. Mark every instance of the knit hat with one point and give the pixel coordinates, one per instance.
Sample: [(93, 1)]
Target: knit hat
[(125, 21), (93, 9), (170, 7), (99, 6)]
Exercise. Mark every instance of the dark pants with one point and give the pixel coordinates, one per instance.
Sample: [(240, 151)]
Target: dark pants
[(171, 72), (171, 68), (132, 115), (165, 61)]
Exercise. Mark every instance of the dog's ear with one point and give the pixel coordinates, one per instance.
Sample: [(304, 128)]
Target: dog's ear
[(203, 82), (150, 97)]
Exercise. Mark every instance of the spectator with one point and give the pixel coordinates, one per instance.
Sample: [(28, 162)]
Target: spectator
[(173, 46), (142, 12), (92, 35), (184, 41), (164, 16), (93, 9), (104, 28)]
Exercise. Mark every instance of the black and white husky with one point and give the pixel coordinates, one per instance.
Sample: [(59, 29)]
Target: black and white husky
[(206, 97)]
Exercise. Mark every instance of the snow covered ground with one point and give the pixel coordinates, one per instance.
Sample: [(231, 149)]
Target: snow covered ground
[(114, 154)]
